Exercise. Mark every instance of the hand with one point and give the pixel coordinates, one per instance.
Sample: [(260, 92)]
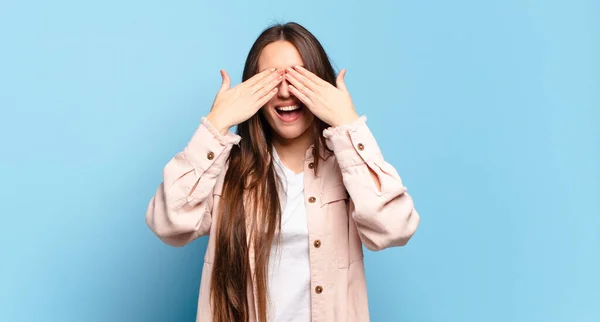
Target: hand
[(233, 106), (332, 104)]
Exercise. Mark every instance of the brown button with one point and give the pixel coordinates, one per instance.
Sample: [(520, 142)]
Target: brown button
[(361, 146), (317, 243), (312, 199), (319, 289), (210, 156), (311, 165)]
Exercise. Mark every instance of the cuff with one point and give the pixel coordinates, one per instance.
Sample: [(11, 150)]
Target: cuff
[(207, 144), (353, 144), (228, 138)]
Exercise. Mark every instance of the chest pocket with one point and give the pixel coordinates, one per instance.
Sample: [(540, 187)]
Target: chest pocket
[(334, 201)]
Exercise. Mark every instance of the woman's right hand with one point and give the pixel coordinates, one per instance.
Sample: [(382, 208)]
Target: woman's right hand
[(233, 106)]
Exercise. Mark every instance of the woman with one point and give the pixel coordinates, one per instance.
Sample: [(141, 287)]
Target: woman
[(289, 200)]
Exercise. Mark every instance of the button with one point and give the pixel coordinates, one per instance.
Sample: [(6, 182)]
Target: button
[(311, 165), (361, 146), (312, 199), (319, 289), (317, 243), (210, 156)]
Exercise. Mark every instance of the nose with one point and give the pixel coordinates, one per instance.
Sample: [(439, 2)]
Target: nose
[(284, 90)]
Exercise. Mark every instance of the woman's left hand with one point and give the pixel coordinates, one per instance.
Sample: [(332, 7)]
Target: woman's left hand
[(331, 104)]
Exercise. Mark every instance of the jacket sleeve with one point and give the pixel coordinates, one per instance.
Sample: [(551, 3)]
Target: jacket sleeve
[(384, 218), (180, 211)]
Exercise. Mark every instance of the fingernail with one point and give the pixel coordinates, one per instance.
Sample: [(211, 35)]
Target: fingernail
[(273, 69)]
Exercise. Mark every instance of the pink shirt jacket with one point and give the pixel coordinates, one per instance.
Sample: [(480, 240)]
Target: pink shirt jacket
[(345, 210)]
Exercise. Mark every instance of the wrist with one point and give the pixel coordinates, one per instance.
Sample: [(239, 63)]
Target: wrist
[(346, 119), (217, 123)]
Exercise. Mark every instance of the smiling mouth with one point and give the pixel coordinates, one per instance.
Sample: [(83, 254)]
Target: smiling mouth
[(289, 113)]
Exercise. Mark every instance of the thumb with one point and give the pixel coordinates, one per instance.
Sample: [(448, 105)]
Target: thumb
[(340, 80), (226, 81)]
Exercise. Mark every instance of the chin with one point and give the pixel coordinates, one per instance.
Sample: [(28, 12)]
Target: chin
[(291, 133)]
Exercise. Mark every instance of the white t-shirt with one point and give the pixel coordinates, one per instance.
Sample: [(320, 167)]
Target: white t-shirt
[(289, 266)]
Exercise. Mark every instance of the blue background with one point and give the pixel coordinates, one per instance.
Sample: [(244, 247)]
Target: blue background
[(490, 110)]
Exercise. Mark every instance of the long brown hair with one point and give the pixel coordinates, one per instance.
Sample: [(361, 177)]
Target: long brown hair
[(250, 208)]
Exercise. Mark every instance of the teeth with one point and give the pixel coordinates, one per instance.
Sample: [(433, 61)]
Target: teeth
[(288, 108)]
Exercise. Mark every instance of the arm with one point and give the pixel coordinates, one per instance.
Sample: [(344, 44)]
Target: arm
[(181, 209), (382, 209)]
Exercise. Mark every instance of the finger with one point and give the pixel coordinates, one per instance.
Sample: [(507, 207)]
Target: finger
[(225, 81), (299, 85), (273, 82), (263, 100), (310, 75), (341, 83), (266, 82), (302, 79), (258, 77), (303, 98)]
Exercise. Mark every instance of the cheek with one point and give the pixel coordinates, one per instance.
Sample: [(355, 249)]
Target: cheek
[(266, 108)]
